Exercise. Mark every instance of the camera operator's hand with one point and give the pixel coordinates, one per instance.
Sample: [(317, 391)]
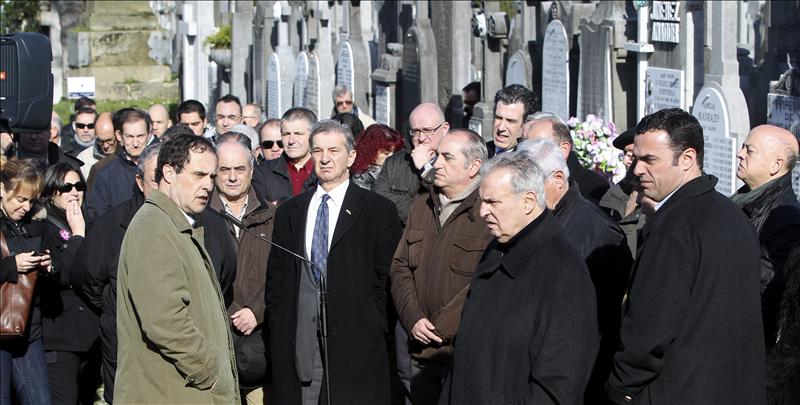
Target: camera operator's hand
[(30, 261), (422, 154), (75, 219), (5, 141)]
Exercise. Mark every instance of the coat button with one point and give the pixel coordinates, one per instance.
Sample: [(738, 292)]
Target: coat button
[(81, 308), (628, 398)]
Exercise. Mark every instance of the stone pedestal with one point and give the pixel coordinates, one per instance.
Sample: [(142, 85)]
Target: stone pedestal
[(385, 81)]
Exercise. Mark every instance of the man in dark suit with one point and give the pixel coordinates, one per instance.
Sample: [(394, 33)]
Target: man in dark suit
[(544, 125), (511, 105), (281, 179), (350, 235), (691, 328)]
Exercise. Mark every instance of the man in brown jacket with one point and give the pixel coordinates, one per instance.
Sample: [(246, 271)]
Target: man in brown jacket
[(432, 267), (234, 196)]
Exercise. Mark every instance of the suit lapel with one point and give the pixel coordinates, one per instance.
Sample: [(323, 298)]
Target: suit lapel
[(351, 209), (297, 220)]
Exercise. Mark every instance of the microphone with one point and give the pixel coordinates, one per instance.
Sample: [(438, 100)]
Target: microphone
[(322, 289)]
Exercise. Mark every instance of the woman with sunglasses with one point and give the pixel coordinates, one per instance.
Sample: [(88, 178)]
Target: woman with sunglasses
[(70, 328), (23, 371)]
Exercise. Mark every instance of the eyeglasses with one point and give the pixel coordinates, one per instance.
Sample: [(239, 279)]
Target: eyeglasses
[(221, 117), (82, 126), (109, 141), (67, 187), (344, 102), (415, 132), (268, 144)]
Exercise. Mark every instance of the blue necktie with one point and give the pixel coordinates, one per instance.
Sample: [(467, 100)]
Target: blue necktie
[(319, 243)]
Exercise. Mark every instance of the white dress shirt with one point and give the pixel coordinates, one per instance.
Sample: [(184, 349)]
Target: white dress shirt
[(334, 207)]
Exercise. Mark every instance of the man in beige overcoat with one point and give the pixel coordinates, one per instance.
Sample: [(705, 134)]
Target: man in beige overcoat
[(174, 341)]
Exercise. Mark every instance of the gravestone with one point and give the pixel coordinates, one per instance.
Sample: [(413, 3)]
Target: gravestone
[(711, 110), (301, 80), (312, 84), (274, 96), (385, 80), (517, 70), (419, 77), (783, 110), (594, 77), (663, 89), (344, 66), (555, 70)]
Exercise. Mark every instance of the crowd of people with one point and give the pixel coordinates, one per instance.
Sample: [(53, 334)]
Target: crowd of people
[(233, 259)]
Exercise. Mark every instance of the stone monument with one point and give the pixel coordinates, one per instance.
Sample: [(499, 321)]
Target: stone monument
[(419, 75), (555, 70), (783, 110)]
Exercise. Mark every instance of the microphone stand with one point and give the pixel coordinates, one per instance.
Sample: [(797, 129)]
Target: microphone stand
[(322, 292)]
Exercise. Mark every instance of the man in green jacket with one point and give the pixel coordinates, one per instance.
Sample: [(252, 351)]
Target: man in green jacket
[(174, 340)]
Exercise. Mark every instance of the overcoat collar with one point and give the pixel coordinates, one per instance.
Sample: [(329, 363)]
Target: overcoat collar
[(700, 185), (169, 207), (516, 255)]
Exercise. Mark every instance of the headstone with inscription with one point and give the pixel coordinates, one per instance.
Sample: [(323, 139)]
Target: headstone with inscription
[(783, 110), (385, 80), (555, 70), (711, 111), (664, 89), (274, 87), (594, 77), (344, 66), (312, 88), (301, 80), (419, 78)]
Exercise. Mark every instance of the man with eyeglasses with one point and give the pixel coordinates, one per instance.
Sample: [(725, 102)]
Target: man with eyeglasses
[(228, 113), (83, 133), (406, 175), (343, 104), (105, 143), (251, 116), (270, 144), (115, 182)]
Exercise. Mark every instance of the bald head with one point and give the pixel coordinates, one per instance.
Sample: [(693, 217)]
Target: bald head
[(427, 125), (767, 153), (160, 117), (104, 129)]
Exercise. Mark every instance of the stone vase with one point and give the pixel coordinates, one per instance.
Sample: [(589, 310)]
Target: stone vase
[(221, 56)]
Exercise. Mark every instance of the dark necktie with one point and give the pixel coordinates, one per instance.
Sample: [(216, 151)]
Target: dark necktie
[(319, 243)]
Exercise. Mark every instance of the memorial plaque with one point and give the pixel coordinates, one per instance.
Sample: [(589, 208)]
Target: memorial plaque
[(665, 22), (555, 70), (274, 87), (344, 67), (720, 149), (516, 71), (383, 103), (784, 111), (312, 85), (664, 89), (594, 86), (301, 80)]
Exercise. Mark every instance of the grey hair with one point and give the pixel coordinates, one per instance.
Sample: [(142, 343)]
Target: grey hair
[(526, 175), (55, 119), (231, 139), (560, 129), (247, 131), (546, 154), (340, 90), (151, 151), (475, 149), (334, 126)]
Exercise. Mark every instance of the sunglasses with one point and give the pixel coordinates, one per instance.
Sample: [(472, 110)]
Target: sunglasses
[(82, 126), (67, 187), (268, 144)]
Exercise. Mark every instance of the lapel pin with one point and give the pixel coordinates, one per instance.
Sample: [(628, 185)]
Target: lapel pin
[(348, 212)]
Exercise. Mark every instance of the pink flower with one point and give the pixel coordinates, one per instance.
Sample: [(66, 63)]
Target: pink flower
[(64, 234)]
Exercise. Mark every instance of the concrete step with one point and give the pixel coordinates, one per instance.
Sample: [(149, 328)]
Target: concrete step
[(127, 7), (122, 22), (138, 91), (121, 48), (125, 74)]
